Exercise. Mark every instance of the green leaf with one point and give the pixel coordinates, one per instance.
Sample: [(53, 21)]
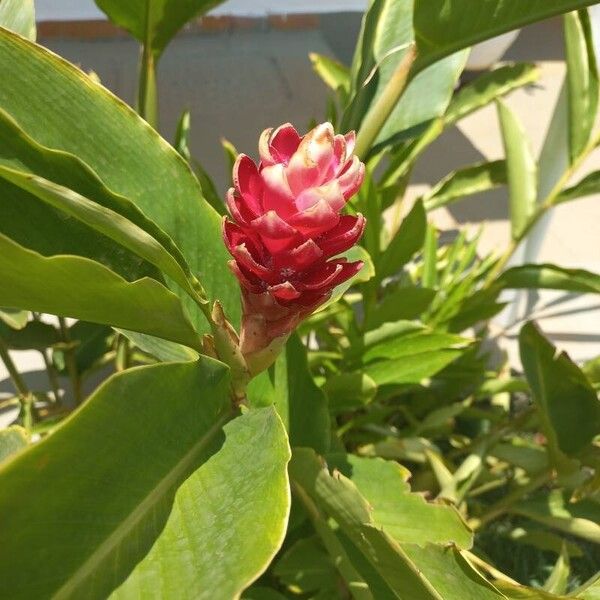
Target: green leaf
[(349, 391), (590, 590), (106, 221), (412, 369), (527, 456), (521, 170), (12, 439), (154, 22), (488, 87), (445, 26), (34, 336), (466, 182), (306, 567), (66, 110), (18, 16), (22, 158), (96, 502), (77, 287), (588, 186), (21, 213), (559, 577), (403, 303), (431, 572), (546, 541), (92, 341), (554, 509), (301, 404), (164, 350), (567, 404), (429, 278), (551, 277), (513, 592), (408, 240), (386, 32), (471, 97), (16, 319), (259, 592), (368, 202), (406, 516), (582, 80), (228, 519), (333, 73), (411, 343)]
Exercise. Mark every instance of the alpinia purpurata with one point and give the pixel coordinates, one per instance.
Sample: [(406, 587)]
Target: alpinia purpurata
[(287, 228)]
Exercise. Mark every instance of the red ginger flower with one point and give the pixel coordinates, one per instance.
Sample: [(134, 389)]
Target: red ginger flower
[(287, 228)]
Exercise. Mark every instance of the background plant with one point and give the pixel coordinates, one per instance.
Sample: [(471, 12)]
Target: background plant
[(158, 485)]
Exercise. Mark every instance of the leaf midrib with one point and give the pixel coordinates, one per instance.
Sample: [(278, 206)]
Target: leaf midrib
[(140, 511)]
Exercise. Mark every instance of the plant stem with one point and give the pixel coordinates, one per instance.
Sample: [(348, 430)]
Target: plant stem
[(378, 115), (15, 376), (25, 396), (122, 354), (147, 92), (147, 103), (70, 362), (503, 506), (52, 378), (50, 370)]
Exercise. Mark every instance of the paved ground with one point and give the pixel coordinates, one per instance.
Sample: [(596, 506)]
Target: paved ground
[(237, 84)]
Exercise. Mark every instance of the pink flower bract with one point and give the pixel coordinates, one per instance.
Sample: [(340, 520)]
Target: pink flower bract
[(288, 228)]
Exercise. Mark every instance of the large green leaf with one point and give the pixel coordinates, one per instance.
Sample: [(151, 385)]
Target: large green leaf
[(12, 440), (582, 78), (104, 220), (444, 26), (551, 277), (402, 303), (22, 159), (88, 501), (18, 16), (521, 169), (386, 32), (567, 404), (21, 213), (407, 517), (154, 22), (77, 287), (301, 404), (228, 519), (66, 110), (431, 572)]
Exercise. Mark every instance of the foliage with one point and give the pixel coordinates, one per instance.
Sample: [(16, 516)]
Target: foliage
[(386, 453)]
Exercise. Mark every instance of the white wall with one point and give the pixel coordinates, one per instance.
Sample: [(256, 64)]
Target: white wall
[(67, 10)]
